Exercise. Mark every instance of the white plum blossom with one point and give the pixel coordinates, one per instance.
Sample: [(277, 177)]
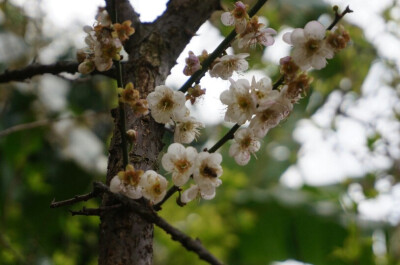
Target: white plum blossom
[(194, 192), (180, 162), (256, 33), (237, 17), (245, 144), (128, 182), (154, 186), (309, 46), (166, 104), (187, 129), (240, 103), (262, 36), (262, 92), (227, 64), (269, 115), (206, 173)]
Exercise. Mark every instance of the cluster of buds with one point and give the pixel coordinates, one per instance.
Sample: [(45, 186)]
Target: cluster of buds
[(131, 97), (136, 184), (193, 62), (104, 42)]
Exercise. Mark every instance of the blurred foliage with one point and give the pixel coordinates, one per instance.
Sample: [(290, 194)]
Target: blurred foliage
[(253, 220)]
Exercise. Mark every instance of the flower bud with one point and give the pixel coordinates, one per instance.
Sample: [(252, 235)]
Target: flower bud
[(132, 135)]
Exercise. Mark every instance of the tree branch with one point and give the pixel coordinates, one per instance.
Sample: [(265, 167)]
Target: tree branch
[(151, 216), (95, 211), (338, 17), (39, 69), (76, 199)]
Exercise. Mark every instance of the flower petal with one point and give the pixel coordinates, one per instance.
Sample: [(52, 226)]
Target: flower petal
[(314, 30)]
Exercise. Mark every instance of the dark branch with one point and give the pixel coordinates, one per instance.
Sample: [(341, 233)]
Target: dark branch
[(39, 69), (95, 211), (338, 17), (147, 213), (78, 198)]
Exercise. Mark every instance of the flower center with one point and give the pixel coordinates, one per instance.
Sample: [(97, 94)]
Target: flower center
[(244, 102), (132, 177), (157, 188), (166, 103), (312, 45), (187, 126), (208, 172), (267, 115), (182, 165), (246, 142)]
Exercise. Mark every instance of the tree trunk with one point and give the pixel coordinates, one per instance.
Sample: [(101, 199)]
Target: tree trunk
[(125, 238)]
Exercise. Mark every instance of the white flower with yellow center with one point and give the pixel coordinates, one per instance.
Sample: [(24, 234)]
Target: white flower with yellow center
[(187, 129), (166, 104), (180, 162), (270, 115), (227, 64), (206, 173), (128, 182), (245, 144), (241, 106), (309, 46), (194, 192), (154, 186), (262, 92)]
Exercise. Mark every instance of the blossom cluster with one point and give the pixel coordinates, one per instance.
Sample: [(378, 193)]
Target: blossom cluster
[(260, 104), (104, 42), (136, 184), (204, 167), (168, 106)]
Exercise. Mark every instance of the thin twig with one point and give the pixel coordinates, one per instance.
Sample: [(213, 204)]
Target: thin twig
[(76, 199), (338, 17), (195, 78), (95, 211), (151, 216), (224, 139), (39, 69)]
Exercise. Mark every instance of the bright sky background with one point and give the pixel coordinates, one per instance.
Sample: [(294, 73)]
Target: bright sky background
[(319, 154)]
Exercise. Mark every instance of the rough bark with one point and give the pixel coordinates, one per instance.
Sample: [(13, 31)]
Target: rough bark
[(126, 238)]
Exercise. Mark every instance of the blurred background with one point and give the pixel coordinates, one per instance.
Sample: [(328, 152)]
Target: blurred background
[(323, 189)]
